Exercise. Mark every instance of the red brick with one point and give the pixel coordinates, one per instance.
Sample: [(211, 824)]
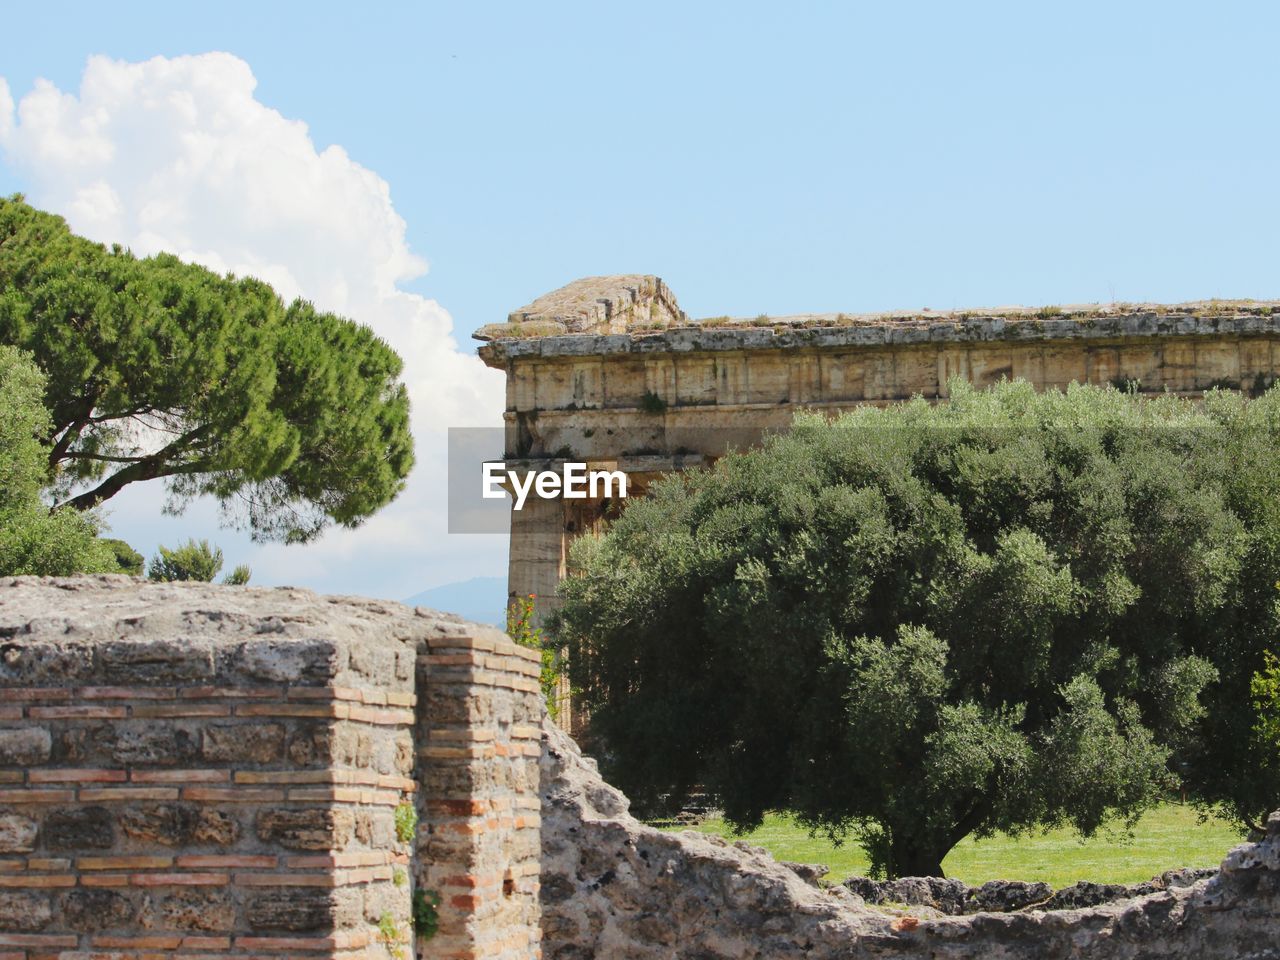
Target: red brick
[(124, 863), (357, 858), (105, 880), (291, 776), (387, 716), (334, 794), (99, 795), (178, 879), (206, 943), (458, 808), (285, 943), (324, 693), (38, 940), (168, 942), (77, 713), (37, 796), (217, 861), (181, 776), (77, 775), (35, 693), (349, 877), (49, 863), (285, 880), (237, 693), (165, 711), (392, 782), (467, 881), (36, 880), (330, 710), (233, 794), (128, 693)]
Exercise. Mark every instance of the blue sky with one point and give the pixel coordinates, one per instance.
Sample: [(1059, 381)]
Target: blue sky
[(761, 158)]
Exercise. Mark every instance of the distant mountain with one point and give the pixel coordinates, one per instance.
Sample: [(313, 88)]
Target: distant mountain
[(482, 599)]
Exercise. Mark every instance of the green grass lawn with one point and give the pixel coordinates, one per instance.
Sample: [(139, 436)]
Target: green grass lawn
[(1168, 836)]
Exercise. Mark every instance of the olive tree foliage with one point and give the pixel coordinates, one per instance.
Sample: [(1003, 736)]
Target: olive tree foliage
[(1007, 611), (128, 560), (157, 369), (32, 539)]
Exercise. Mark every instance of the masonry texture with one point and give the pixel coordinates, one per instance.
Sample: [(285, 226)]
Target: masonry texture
[(613, 887), (232, 772), (610, 371)]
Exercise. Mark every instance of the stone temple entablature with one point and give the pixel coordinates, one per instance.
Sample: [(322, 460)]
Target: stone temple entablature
[(610, 370)]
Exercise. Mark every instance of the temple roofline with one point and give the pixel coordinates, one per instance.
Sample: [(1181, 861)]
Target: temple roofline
[(637, 313), (1176, 321)]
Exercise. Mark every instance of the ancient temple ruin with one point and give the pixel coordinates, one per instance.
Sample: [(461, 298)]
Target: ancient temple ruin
[(610, 371)]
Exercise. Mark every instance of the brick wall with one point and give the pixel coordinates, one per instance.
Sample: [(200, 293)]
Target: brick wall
[(479, 742), (209, 772)]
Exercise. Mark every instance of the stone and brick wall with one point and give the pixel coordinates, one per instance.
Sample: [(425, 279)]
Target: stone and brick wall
[(209, 772), (226, 773), (613, 887)]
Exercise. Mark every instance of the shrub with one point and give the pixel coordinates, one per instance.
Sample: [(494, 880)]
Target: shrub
[(1007, 611)]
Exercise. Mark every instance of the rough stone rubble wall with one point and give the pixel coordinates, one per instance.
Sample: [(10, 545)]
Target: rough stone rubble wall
[(198, 771), (612, 887)]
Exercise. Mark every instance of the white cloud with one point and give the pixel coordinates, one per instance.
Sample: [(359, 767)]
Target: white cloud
[(6, 110), (178, 155)]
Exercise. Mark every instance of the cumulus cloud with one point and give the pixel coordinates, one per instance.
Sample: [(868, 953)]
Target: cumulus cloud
[(6, 110), (179, 155)]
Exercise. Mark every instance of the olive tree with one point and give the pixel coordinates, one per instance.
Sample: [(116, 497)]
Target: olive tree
[(1002, 612), (32, 539)]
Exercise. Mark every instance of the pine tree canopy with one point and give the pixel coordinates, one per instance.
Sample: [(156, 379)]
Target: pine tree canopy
[(291, 417)]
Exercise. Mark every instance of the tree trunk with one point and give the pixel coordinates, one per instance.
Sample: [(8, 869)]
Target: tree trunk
[(910, 858)]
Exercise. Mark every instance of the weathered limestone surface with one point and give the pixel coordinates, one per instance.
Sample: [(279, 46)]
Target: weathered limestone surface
[(206, 770), (594, 305), (612, 887)]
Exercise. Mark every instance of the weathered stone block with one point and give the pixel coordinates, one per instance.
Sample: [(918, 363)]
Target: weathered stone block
[(210, 911), (24, 911), (160, 746), (292, 910), (79, 828), (177, 825), (289, 661), (17, 833), (37, 663), (243, 743), (314, 828), (156, 661), (24, 746), (309, 745), (93, 910)]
